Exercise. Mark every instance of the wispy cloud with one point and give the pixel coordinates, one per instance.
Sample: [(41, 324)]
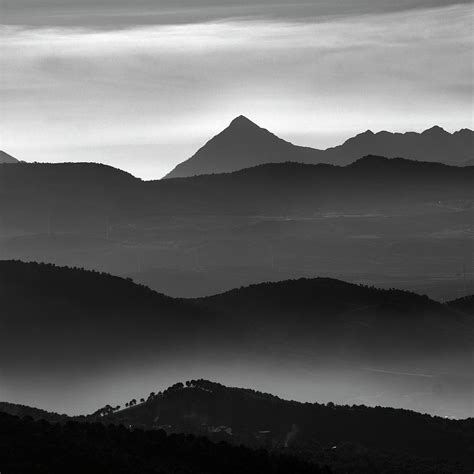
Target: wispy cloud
[(396, 372)]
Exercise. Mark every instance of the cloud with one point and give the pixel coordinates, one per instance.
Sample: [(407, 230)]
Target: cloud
[(97, 93), (114, 13)]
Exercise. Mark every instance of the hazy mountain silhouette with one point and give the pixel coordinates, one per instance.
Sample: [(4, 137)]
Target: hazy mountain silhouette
[(203, 235), (434, 144), (80, 325), (81, 194), (88, 304), (78, 194), (370, 184), (354, 318), (6, 158), (243, 144)]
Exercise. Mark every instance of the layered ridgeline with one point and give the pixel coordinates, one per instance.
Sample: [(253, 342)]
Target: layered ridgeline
[(65, 331), (74, 196), (244, 144), (204, 235), (68, 195), (348, 439)]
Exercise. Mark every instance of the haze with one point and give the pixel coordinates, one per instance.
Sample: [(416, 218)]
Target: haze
[(97, 81)]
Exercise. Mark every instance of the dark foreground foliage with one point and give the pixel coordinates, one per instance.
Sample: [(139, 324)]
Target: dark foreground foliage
[(350, 439), (28, 446)]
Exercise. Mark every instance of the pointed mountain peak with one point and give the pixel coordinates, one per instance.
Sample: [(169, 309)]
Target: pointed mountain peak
[(436, 130), (243, 144), (367, 133), (243, 129), (362, 137), (242, 121)]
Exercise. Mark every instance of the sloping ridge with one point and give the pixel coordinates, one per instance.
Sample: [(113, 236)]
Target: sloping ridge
[(245, 416), (6, 158), (75, 192), (36, 413), (82, 325), (64, 305), (244, 144), (242, 416)]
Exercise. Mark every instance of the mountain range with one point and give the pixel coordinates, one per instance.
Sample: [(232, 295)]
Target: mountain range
[(243, 144), (391, 222), (339, 341), (78, 193)]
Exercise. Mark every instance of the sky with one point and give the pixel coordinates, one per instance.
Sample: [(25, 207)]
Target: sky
[(142, 85)]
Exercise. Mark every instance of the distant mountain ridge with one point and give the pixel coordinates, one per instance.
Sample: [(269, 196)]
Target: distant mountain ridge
[(101, 218), (77, 195), (244, 144), (6, 158)]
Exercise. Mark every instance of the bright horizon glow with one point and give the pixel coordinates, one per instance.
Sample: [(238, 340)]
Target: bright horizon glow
[(145, 97)]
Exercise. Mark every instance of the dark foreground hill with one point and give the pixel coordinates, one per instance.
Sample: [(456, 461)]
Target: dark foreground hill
[(348, 439), (244, 144), (72, 328), (34, 447)]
